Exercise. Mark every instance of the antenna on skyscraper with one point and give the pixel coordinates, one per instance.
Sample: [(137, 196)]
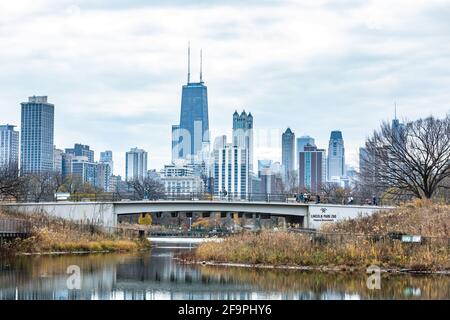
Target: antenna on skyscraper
[(189, 62), (395, 110), (201, 66)]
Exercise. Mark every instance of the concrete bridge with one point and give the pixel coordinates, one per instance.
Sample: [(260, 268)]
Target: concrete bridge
[(108, 213)]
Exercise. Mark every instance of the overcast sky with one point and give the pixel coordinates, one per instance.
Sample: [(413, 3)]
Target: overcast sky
[(114, 68)]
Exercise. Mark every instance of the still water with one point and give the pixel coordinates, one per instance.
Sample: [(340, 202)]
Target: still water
[(157, 275)]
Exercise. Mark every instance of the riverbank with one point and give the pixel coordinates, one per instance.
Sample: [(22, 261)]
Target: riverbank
[(327, 269), (49, 235), (350, 245), (143, 275)]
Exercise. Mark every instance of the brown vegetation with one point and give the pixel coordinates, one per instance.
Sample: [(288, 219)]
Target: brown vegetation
[(353, 243), (420, 217), (49, 234)]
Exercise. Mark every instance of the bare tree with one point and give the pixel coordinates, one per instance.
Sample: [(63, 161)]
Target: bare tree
[(11, 184), (291, 184), (334, 193), (58, 181), (40, 187), (413, 160), (147, 188)]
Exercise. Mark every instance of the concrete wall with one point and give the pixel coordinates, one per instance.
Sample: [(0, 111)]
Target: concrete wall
[(96, 212), (323, 213)]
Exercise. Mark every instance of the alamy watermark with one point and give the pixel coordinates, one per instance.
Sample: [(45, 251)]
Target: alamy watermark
[(74, 280), (373, 282)]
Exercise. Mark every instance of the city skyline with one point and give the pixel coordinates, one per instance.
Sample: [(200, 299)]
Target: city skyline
[(134, 102)]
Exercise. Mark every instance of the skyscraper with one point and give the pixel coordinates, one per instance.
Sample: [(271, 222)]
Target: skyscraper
[(264, 165), (288, 153), (303, 141), (103, 176), (107, 157), (243, 134), (192, 134), (9, 146), (66, 169), (310, 171), (231, 171), (37, 130), (336, 157), (398, 130), (136, 164), (81, 150), (363, 159)]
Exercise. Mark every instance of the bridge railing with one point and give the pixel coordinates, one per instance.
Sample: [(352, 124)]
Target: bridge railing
[(306, 198)]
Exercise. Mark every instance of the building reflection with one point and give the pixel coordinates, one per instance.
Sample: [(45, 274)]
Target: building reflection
[(158, 276)]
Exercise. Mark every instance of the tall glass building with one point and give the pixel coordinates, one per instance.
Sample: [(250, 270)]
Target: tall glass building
[(303, 141), (192, 134), (107, 157), (9, 146), (336, 157), (37, 130), (310, 170), (288, 153)]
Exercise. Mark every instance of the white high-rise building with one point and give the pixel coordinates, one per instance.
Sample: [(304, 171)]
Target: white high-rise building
[(136, 164), (243, 134), (58, 160), (9, 145), (231, 171)]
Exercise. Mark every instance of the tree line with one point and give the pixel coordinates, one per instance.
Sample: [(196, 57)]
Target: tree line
[(39, 187), (44, 187)]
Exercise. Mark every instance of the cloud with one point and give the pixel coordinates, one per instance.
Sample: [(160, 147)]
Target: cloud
[(114, 69)]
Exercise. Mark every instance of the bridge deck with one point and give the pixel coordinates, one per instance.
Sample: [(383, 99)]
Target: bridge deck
[(280, 208)]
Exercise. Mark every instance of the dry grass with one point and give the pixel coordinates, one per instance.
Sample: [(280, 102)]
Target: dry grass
[(283, 248), (419, 217), (51, 234)]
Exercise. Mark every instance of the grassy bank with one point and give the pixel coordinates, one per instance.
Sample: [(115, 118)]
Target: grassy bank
[(353, 243), (50, 234), (418, 217)]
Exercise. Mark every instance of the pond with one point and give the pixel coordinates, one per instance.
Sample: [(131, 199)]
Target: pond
[(157, 275)]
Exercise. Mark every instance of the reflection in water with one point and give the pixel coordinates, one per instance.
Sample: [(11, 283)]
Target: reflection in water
[(157, 275)]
